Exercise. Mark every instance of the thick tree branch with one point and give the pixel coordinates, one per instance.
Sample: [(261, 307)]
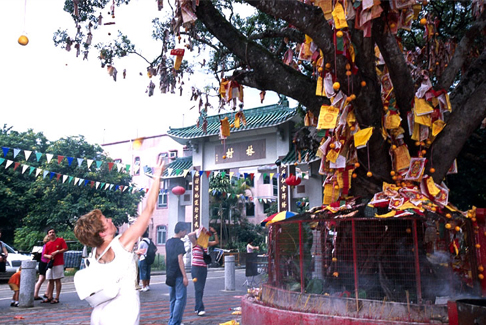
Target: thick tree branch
[(293, 35), (461, 53)]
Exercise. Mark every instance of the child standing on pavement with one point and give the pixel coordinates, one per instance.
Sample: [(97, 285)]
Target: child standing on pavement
[(14, 283)]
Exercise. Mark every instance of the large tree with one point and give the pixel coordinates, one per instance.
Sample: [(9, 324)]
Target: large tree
[(31, 202), (390, 58)]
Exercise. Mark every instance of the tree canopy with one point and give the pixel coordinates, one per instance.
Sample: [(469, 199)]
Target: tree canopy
[(37, 193), (413, 72)]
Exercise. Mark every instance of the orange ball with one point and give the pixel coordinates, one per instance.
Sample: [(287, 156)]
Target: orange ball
[(392, 173), (354, 175), (23, 40), (336, 86), (348, 73), (194, 280), (369, 174), (332, 146), (448, 215), (334, 259), (348, 66), (481, 277), (423, 21), (320, 69), (457, 228), (448, 226), (432, 170), (424, 152), (477, 246), (352, 96), (224, 156), (339, 34), (408, 230), (335, 274), (357, 165), (480, 268), (363, 83), (328, 65)]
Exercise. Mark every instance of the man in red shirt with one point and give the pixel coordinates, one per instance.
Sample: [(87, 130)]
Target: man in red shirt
[(54, 250)]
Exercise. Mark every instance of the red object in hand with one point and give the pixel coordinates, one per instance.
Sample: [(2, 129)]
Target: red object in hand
[(178, 190)]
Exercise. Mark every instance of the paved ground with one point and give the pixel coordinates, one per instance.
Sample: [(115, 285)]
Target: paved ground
[(219, 304)]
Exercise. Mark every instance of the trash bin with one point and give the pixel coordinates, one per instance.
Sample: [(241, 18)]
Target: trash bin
[(72, 259)]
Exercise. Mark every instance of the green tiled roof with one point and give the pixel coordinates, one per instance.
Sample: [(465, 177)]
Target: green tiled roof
[(256, 118), (292, 157), (177, 168)]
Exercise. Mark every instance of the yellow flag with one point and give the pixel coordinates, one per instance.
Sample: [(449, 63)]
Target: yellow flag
[(339, 16), (437, 126), (328, 194), (332, 156), (328, 117), (362, 137), (422, 119), (320, 87)]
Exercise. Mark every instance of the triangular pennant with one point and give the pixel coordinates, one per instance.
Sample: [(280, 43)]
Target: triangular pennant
[(89, 161), (223, 174), (245, 175), (110, 166), (16, 165), (76, 180), (231, 174), (98, 163), (264, 175), (38, 155), (70, 160), (252, 175), (64, 177), (80, 161), (271, 177), (44, 173), (185, 172), (102, 184), (31, 169), (70, 179), (58, 176), (16, 152), (111, 186), (2, 160), (51, 175), (24, 168), (116, 187), (91, 184), (125, 188), (178, 171), (81, 181), (59, 159), (49, 157), (169, 171), (106, 186), (193, 172), (37, 172), (201, 172), (97, 185), (127, 168), (86, 181), (215, 173), (9, 162), (120, 167), (208, 173), (27, 154), (5, 151)]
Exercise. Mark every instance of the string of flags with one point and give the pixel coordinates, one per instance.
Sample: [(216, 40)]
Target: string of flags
[(67, 179), (60, 158)]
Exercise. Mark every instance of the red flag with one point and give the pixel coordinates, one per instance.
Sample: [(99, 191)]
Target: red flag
[(16, 165), (59, 159), (110, 166)]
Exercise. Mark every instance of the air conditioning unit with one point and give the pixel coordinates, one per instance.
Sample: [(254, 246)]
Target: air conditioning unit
[(186, 199), (173, 154)]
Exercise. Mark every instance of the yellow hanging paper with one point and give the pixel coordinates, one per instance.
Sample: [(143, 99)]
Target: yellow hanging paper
[(449, 107), (328, 194), (416, 132), (225, 127), (339, 16), (339, 179), (392, 121), (222, 87), (332, 156), (402, 157), (320, 87), (423, 119), (437, 126), (362, 137), (237, 121), (392, 213), (422, 107), (326, 6), (351, 118), (431, 187), (327, 117)]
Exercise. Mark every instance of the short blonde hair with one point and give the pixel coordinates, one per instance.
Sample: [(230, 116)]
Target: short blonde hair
[(88, 228), (46, 239)]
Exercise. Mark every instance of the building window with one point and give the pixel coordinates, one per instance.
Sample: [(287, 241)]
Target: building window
[(250, 209), (161, 235), (275, 186), (136, 166), (162, 201)]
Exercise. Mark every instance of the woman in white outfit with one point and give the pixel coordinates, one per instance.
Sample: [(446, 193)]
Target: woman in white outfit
[(116, 256)]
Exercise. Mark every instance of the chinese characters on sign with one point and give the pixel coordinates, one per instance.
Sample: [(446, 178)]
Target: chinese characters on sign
[(283, 189), (196, 201), (241, 151)]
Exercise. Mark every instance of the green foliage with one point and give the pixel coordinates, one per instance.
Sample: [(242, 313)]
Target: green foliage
[(31, 204)]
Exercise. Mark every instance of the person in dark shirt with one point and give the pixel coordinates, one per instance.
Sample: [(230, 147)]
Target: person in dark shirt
[(176, 277)]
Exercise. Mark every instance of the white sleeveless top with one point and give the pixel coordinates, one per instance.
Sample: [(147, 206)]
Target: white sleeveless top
[(125, 308)]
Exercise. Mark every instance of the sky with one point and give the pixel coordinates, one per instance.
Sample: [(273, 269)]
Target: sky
[(49, 90)]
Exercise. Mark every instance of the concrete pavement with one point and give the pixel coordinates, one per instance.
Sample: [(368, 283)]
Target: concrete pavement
[(154, 304)]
